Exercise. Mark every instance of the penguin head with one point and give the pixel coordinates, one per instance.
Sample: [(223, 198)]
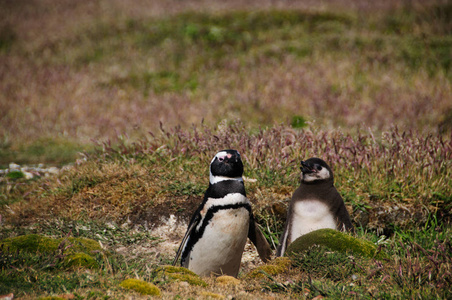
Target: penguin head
[(315, 170), (226, 165)]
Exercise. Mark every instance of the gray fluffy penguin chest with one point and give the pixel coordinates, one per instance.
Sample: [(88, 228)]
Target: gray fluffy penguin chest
[(311, 209)]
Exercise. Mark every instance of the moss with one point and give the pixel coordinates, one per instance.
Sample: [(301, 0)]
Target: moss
[(80, 260), (172, 273), (277, 266), (52, 298), (15, 175), (31, 243), (140, 286), (336, 241), (226, 279), (77, 255), (83, 244), (35, 242)]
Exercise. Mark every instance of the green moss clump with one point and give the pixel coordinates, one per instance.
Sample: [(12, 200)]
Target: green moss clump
[(83, 244), (140, 286), (52, 298), (172, 273), (79, 254), (38, 243), (30, 243), (277, 266), (226, 279), (336, 241), (80, 260), (15, 175)]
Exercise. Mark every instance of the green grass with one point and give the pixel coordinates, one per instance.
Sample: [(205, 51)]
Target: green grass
[(123, 188), (411, 270), (54, 151)]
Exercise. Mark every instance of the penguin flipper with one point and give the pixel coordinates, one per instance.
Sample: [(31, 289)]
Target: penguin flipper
[(283, 240), (258, 239), (343, 218), (345, 222), (195, 220), (282, 244)]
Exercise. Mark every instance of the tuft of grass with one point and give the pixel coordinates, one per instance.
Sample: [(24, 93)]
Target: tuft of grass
[(15, 175), (298, 122)]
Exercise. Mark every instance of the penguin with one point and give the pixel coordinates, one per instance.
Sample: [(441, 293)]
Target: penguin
[(219, 228), (315, 204)]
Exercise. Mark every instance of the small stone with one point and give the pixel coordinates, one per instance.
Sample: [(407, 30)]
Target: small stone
[(13, 166), (53, 170), (28, 175), (7, 297), (249, 179)]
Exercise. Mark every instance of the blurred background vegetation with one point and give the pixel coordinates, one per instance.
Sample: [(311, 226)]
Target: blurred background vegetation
[(74, 72)]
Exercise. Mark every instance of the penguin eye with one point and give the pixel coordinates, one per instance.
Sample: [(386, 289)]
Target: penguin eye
[(220, 159), (318, 167)]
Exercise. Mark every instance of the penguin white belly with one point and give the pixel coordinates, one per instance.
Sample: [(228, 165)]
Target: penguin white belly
[(221, 246), (310, 215)]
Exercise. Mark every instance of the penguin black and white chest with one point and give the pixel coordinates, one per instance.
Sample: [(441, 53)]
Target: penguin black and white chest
[(218, 230), (315, 204)]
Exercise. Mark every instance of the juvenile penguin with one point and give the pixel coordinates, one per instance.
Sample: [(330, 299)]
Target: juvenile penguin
[(217, 233), (315, 204)]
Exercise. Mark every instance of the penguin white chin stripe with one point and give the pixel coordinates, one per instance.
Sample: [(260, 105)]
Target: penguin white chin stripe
[(215, 179), (320, 175)]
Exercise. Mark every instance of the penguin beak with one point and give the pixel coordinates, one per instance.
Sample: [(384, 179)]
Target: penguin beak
[(307, 169)]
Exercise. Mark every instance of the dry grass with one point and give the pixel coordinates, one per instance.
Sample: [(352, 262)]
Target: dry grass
[(395, 179)]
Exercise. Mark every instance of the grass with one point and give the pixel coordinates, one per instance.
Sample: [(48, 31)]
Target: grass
[(125, 186), (150, 93), (56, 151)]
